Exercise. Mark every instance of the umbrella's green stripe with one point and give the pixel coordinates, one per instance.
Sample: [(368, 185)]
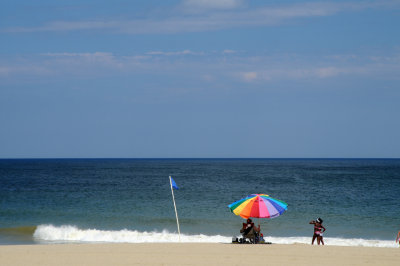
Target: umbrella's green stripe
[(234, 205), (240, 205)]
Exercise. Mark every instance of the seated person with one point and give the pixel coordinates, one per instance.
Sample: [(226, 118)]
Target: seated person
[(250, 231), (261, 238)]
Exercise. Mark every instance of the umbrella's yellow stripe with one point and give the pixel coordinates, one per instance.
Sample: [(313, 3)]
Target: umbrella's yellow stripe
[(240, 208)]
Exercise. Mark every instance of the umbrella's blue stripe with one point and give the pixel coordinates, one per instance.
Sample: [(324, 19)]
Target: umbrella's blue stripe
[(278, 202), (278, 207)]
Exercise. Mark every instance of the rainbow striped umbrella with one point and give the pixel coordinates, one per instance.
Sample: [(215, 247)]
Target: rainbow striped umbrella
[(258, 206)]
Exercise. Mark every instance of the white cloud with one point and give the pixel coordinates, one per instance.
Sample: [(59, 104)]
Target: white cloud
[(307, 72), (31, 69), (184, 52), (212, 4), (210, 67), (4, 71), (208, 77), (216, 19), (228, 51), (97, 58), (250, 76), (67, 26), (326, 72)]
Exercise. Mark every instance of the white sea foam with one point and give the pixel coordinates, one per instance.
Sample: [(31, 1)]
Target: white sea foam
[(333, 241), (69, 233)]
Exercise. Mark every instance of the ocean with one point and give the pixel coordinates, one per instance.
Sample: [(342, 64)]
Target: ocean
[(129, 200)]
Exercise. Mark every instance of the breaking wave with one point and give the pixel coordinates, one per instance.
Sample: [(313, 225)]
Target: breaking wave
[(70, 233)]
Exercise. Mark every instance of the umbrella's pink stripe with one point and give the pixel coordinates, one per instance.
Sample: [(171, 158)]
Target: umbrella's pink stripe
[(264, 213), (271, 209)]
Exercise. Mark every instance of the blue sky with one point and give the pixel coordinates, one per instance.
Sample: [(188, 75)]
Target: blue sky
[(199, 78)]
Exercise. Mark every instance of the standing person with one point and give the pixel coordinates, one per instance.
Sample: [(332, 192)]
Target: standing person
[(398, 237), (318, 231)]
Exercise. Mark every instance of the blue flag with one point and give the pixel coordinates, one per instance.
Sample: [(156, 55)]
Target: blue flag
[(174, 184)]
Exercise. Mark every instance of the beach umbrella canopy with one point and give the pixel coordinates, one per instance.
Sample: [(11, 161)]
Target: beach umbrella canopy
[(258, 206)]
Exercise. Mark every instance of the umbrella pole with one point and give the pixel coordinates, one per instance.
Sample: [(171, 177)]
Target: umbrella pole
[(259, 232)]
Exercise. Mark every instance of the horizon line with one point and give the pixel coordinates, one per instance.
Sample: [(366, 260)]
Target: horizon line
[(201, 158)]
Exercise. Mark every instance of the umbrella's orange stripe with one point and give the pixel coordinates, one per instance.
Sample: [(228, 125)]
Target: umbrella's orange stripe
[(246, 212), (239, 209)]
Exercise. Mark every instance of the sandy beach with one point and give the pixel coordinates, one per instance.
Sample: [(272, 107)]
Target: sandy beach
[(195, 254)]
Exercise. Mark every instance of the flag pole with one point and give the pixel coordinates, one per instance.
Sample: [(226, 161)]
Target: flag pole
[(176, 213)]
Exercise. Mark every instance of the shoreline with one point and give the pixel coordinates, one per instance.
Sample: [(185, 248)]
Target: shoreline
[(193, 254), (49, 234)]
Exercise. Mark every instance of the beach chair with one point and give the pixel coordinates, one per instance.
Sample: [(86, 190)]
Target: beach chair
[(250, 235)]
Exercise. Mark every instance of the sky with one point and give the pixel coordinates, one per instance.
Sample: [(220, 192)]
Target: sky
[(199, 79)]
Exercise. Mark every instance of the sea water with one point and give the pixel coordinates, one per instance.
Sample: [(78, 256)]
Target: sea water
[(130, 201)]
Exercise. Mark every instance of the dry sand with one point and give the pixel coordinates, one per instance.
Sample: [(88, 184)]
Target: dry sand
[(195, 254)]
